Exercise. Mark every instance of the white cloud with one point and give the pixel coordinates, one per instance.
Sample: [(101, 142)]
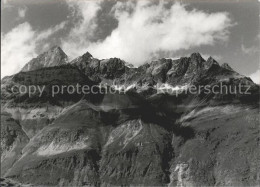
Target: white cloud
[(19, 46), (145, 28), (84, 14), (256, 76), (22, 12), (249, 50), (48, 32)]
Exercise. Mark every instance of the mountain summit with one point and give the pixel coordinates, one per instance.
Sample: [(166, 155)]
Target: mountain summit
[(153, 134), (53, 57)]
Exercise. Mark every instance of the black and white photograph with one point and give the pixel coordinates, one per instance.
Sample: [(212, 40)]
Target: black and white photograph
[(130, 93)]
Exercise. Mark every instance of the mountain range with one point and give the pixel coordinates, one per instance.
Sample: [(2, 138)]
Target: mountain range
[(150, 131)]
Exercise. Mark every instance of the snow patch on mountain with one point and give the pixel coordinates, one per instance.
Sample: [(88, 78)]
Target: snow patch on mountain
[(124, 87), (167, 88)]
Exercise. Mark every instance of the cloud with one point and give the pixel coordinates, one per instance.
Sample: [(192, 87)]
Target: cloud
[(48, 32), (144, 28), (256, 76), (249, 50), (5, 4), (22, 12), (84, 14), (19, 46)]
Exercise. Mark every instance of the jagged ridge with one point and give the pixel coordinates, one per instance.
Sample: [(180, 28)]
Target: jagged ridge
[(137, 138)]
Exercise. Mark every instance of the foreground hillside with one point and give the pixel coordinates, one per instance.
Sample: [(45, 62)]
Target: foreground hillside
[(138, 137)]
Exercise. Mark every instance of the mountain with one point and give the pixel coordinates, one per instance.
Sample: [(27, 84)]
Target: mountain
[(53, 57), (96, 69), (150, 129)]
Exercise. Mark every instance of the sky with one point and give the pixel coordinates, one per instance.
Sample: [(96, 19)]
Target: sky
[(135, 31)]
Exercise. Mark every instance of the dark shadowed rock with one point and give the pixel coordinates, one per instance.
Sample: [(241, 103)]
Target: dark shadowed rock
[(158, 69), (211, 63), (88, 65), (112, 68)]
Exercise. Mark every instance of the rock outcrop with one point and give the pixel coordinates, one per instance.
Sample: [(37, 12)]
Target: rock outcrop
[(54, 57)]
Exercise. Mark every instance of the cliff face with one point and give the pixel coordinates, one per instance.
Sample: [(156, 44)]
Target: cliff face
[(143, 136)]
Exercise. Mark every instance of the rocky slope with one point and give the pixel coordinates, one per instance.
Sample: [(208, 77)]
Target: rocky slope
[(54, 57), (153, 133)]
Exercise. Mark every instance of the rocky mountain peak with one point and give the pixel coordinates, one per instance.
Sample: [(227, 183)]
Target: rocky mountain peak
[(156, 130), (57, 49), (196, 57), (211, 59), (113, 67), (226, 66), (55, 56), (87, 55), (196, 63), (85, 58), (211, 62)]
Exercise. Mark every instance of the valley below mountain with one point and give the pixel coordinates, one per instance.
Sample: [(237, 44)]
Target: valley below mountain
[(150, 131)]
